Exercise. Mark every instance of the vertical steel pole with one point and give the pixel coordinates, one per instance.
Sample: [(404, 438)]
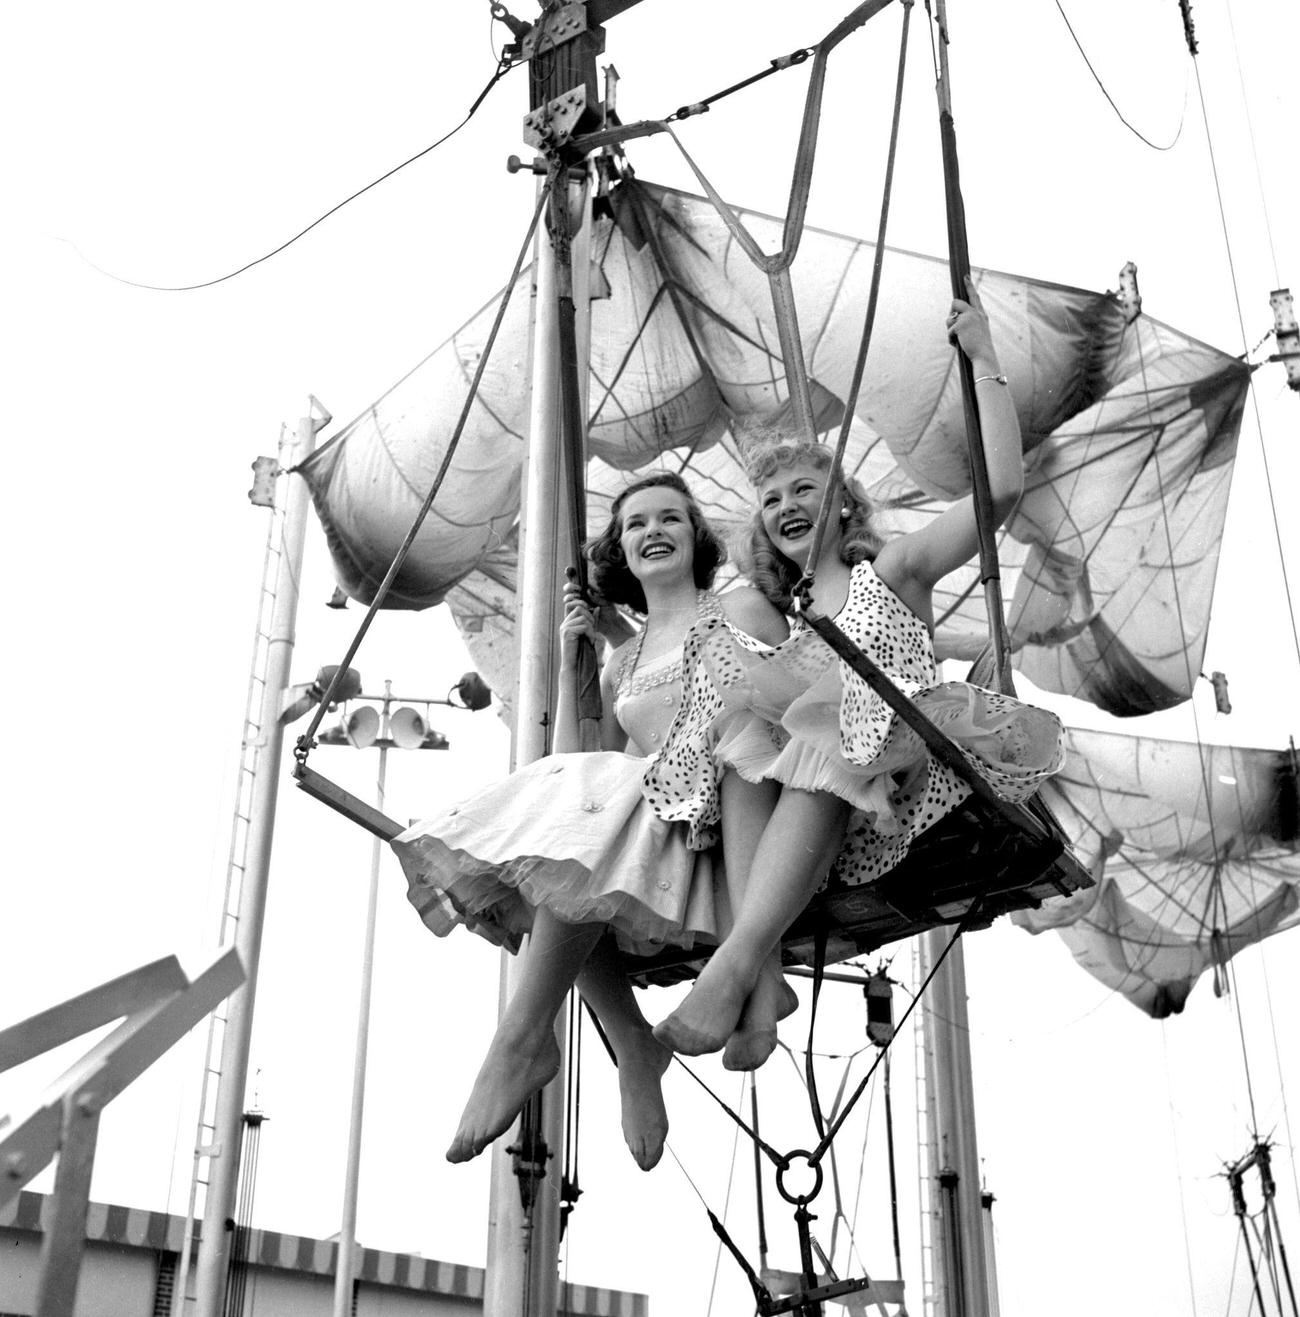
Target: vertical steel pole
[(990, 1253), (219, 1206), (954, 1117), (523, 1246), (345, 1268)]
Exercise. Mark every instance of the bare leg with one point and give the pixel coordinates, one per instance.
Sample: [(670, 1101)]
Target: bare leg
[(746, 808), (640, 1057), (523, 1054), (800, 841)]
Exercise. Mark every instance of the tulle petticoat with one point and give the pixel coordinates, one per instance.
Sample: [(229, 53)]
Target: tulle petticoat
[(796, 714), (573, 833)]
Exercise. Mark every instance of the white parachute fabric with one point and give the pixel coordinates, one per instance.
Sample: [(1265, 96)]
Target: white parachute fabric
[(1193, 850), (370, 480), (1130, 431)]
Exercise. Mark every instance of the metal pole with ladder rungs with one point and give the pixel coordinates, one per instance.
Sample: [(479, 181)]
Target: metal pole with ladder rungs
[(216, 1160)]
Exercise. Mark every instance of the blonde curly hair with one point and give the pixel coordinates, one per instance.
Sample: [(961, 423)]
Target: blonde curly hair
[(771, 572)]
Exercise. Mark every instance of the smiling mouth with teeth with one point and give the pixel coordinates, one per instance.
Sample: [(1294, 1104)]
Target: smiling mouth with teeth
[(656, 550), (793, 529)]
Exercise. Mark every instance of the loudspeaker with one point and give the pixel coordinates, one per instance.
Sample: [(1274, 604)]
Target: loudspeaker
[(362, 726), (407, 729), (349, 687), (474, 692)]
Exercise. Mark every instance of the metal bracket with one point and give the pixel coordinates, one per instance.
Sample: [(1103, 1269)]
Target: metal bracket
[(1127, 294), (1287, 335), (530, 1156)]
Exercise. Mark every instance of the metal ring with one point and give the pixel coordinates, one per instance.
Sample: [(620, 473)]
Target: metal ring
[(799, 1200)]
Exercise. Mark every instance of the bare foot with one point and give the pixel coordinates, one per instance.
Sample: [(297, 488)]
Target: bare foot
[(645, 1118), (755, 1037), (510, 1074), (709, 1014)]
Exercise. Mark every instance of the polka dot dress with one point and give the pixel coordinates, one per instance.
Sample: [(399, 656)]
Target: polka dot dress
[(796, 714)]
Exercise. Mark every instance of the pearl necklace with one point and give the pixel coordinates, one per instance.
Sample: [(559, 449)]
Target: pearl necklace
[(630, 682)]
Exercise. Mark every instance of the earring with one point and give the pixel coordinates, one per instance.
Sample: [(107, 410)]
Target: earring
[(845, 514)]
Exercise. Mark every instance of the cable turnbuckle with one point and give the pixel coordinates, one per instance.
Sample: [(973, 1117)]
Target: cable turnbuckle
[(530, 1156)]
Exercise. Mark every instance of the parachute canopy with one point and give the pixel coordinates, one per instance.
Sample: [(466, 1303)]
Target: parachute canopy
[(1130, 431), (1193, 852)]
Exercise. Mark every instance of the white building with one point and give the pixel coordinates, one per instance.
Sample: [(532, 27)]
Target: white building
[(129, 1270)]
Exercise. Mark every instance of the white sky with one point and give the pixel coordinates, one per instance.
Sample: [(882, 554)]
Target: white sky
[(173, 144)]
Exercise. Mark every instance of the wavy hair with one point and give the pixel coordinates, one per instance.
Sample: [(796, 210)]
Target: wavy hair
[(770, 451), (611, 578)]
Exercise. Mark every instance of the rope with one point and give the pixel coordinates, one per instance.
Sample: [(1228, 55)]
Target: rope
[(777, 1159), (839, 1214), (758, 1173), (936, 742), (869, 320), (838, 1123), (857, 1198), (570, 1189), (810, 1072), (805, 155), (760, 1292), (1110, 100), (1216, 893), (959, 271), (726, 1201), (573, 457), (304, 743), (893, 1173)]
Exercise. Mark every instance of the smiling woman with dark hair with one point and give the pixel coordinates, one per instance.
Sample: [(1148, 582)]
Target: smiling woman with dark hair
[(614, 582), (568, 850)]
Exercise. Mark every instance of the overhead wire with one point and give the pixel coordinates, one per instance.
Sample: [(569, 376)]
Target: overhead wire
[(1178, 1167), (1277, 1057), (1216, 892), (1254, 146), (862, 1168), (1164, 506), (1261, 951), (1096, 77), (1236, 293), (502, 69), (1151, 585), (726, 1199)]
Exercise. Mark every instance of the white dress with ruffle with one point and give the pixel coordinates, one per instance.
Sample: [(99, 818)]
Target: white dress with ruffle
[(574, 833), (795, 713)]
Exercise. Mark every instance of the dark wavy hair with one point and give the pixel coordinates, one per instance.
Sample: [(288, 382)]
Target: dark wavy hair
[(611, 578), (760, 560)]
